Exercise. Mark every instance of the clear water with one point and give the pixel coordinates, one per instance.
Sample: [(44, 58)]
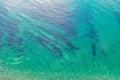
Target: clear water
[(59, 40)]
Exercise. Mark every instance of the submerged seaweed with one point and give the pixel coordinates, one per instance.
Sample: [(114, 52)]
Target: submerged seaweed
[(55, 36), (59, 36)]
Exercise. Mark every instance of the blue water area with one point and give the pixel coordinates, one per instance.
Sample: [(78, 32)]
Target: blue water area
[(61, 37)]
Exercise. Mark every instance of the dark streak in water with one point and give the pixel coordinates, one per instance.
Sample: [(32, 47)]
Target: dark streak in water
[(93, 47), (117, 15), (46, 43), (91, 32)]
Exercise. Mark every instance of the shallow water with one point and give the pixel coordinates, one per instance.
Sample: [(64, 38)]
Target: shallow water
[(44, 39)]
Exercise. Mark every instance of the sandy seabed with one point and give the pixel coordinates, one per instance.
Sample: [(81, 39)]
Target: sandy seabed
[(54, 76)]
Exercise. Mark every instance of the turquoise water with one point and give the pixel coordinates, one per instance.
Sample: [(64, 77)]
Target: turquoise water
[(59, 39)]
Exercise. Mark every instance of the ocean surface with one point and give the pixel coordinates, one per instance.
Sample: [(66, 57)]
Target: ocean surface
[(59, 39)]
